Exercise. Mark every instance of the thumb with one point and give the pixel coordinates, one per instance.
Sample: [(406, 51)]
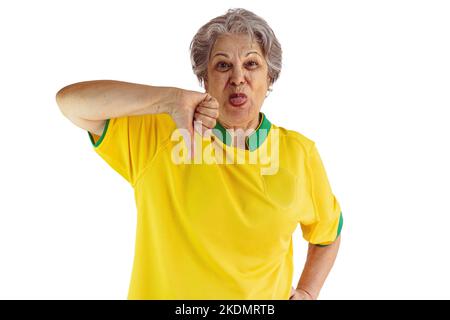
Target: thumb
[(197, 126), (188, 137), (192, 146), (190, 142)]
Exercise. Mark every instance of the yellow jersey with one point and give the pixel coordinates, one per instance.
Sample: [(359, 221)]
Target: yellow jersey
[(218, 226)]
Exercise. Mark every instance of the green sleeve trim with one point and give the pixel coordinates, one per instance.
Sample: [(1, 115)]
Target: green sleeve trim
[(101, 137), (341, 223)]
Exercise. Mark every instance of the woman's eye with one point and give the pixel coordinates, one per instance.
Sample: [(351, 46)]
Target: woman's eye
[(220, 64)]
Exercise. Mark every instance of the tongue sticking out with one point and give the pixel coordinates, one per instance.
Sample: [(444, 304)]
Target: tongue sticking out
[(238, 100)]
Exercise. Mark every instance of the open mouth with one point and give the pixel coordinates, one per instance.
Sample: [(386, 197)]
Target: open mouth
[(237, 99)]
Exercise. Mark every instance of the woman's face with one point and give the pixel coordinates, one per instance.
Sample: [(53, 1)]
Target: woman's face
[(237, 65)]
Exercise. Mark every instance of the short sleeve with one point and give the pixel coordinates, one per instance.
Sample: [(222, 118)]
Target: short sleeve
[(323, 221), (129, 143)]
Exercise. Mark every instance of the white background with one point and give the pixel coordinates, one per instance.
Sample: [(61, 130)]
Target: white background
[(368, 81)]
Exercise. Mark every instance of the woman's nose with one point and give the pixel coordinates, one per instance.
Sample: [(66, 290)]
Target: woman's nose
[(237, 77)]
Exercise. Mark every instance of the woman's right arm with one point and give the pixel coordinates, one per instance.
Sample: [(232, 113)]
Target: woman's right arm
[(89, 104)]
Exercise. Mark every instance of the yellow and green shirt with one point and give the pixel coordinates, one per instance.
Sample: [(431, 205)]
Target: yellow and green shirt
[(218, 229)]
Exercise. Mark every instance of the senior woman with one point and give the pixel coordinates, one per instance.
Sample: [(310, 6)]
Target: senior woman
[(211, 223)]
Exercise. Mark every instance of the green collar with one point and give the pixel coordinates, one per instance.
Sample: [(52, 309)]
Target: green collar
[(254, 140)]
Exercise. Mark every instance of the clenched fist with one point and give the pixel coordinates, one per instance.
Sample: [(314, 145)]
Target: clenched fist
[(194, 111)]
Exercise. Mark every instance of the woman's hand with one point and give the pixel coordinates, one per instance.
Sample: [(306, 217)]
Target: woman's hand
[(300, 294), (206, 114), (194, 110)]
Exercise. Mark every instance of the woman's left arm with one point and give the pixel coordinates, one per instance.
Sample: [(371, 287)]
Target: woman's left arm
[(318, 264)]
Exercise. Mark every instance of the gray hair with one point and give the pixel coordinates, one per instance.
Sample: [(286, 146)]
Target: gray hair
[(235, 21)]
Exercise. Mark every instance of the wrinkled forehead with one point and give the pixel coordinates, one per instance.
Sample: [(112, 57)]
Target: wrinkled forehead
[(235, 44)]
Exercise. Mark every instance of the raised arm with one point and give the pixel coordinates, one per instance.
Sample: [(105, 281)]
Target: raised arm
[(88, 104)]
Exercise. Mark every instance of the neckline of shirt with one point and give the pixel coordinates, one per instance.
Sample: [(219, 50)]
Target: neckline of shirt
[(253, 141)]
